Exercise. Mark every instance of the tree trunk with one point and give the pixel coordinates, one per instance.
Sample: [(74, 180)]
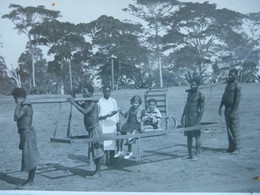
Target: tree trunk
[(159, 57), (160, 67), (71, 86), (32, 50), (62, 88), (33, 69)]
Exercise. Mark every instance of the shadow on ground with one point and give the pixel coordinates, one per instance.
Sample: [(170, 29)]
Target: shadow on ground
[(10, 179), (56, 170)]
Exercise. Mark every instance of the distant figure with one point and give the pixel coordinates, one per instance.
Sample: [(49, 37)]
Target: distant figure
[(192, 115), (91, 120), (23, 116), (109, 121), (151, 117), (131, 126), (230, 100)]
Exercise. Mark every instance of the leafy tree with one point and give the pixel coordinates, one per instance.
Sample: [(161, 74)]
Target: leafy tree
[(27, 18), (45, 79), (249, 51), (113, 39), (248, 74), (153, 12), (6, 83), (68, 45), (201, 30), (252, 22), (242, 48)]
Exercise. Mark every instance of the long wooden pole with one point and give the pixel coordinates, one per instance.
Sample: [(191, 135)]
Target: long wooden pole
[(63, 101), (71, 86), (71, 91), (112, 74)]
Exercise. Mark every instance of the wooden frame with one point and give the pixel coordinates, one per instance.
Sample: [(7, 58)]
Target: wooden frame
[(161, 96)]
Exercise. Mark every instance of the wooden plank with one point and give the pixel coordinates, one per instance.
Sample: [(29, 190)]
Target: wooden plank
[(200, 127), (160, 101), (147, 134), (155, 95), (80, 137), (161, 106), (157, 89), (61, 140), (112, 136), (63, 100)]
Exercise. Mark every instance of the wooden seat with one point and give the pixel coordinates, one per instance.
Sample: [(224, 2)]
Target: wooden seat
[(160, 95)]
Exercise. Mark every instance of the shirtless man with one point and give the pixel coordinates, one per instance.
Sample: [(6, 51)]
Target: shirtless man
[(192, 115), (91, 121), (230, 100), (23, 116)]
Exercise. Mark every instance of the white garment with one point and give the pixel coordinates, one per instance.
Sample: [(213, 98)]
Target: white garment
[(106, 106)]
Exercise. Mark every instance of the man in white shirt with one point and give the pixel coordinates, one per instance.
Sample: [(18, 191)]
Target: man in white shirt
[(109, 119)]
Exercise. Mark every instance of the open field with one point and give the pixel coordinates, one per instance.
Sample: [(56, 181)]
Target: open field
[(63, 167)]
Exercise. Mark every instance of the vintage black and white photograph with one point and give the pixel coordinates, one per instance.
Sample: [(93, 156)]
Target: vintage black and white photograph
[(129, 96)]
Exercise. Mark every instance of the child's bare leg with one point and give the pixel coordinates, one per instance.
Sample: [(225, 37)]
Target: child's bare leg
[(132, 140), (121, 144), (129, 148)]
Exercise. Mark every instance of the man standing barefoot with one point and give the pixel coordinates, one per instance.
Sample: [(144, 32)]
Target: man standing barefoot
[(109, 122), (91, 121), (192, 115), (23, 116), (230, 100)]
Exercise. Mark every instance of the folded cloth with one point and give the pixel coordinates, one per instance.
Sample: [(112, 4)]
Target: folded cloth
[(30, 153)]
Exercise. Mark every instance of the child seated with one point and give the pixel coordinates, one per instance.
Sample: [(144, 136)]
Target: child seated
[(131, 126), (151, 117)]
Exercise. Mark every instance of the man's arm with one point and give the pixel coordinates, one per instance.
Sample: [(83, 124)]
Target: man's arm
[(221, 105), (183, 114), (200, 109), (237, 96), (124, 114), (79, 108), (108, 115), (20, 111)]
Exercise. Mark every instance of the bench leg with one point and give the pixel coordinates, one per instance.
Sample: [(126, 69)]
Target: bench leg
[(138, 159), (89, 151)]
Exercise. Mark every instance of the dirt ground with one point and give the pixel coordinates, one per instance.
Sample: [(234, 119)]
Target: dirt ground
[(163, 167)]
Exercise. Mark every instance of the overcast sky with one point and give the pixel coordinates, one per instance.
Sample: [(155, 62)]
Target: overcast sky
[(77, 11)]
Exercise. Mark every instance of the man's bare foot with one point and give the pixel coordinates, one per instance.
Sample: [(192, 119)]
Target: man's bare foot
[(94, 176), (26, 185), (195, 158)]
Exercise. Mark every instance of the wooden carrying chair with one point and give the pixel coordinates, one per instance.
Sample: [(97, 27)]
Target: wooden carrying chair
[(160, 95)]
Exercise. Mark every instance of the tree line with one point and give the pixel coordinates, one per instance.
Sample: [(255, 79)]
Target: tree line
[(173, 38)]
